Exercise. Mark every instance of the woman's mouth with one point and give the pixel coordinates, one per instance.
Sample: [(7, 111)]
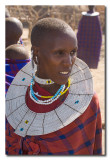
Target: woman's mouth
[(63, 77), (64, 73)]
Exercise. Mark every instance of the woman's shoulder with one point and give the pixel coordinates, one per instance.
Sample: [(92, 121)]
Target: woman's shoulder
[(95, 98), (94, 104), (93, 109)]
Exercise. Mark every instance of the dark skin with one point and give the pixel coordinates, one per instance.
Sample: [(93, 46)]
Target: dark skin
[(11, 42), (91, 9), (56, 54), (17, 51), (14, 30)]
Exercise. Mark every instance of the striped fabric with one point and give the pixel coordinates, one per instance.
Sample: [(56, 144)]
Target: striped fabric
[(12, 67), (81, 137), (89, 40)]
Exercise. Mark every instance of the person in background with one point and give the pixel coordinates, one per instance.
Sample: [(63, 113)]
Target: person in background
[(14, 30), (89, 37), (16, 57)]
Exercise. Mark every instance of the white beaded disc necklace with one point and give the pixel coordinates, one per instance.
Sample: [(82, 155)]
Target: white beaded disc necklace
[(77, 101)]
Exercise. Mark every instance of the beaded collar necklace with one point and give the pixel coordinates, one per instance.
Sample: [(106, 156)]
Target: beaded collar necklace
[(76, 102), (43, 81)]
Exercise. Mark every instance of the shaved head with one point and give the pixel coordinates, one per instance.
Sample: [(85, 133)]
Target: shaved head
[(45, 27), (17, 51), (14, 30)]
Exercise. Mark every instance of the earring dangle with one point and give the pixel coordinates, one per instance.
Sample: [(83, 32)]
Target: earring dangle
[(36, 60), (32, 62)]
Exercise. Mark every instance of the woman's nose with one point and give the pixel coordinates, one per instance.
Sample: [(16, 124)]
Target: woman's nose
[(68, 60)]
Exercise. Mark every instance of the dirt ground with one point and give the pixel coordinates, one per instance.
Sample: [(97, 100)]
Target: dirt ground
[(98, 81)]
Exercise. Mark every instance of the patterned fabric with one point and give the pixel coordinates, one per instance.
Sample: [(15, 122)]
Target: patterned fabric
[(81, 137), (12, 67), (89, 40)]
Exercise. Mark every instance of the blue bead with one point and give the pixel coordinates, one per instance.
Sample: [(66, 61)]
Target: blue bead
[(21, 129), (77, 102), (23, 79)]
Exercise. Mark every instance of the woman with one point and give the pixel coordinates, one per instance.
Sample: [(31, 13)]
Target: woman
[(50, 106), (89, 38)]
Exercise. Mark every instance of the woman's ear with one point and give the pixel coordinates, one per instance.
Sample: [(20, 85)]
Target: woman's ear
[(35, 50), (35, 53)]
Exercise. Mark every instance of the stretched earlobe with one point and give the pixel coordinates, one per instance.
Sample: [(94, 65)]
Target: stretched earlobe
[(35, 51), (35, 59)]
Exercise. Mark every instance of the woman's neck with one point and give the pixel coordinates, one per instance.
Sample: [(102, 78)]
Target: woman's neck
[(52, 88)]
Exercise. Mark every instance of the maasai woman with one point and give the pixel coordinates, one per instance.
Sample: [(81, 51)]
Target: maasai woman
[(51, 108), (89, 38)]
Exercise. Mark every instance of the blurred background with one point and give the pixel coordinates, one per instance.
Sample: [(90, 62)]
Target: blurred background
[(29, 15)]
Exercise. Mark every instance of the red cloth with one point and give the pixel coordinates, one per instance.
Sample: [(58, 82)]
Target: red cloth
[(81, 137)]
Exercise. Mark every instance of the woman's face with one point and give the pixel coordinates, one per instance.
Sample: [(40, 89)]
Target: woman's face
[(56, 56)]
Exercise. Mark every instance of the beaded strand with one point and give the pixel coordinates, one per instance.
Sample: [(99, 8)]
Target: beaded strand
[(36, 93), (46, 101), (49, 101)]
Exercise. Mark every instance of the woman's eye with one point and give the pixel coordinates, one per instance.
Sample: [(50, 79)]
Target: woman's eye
[(73, 53), (59, 53)]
